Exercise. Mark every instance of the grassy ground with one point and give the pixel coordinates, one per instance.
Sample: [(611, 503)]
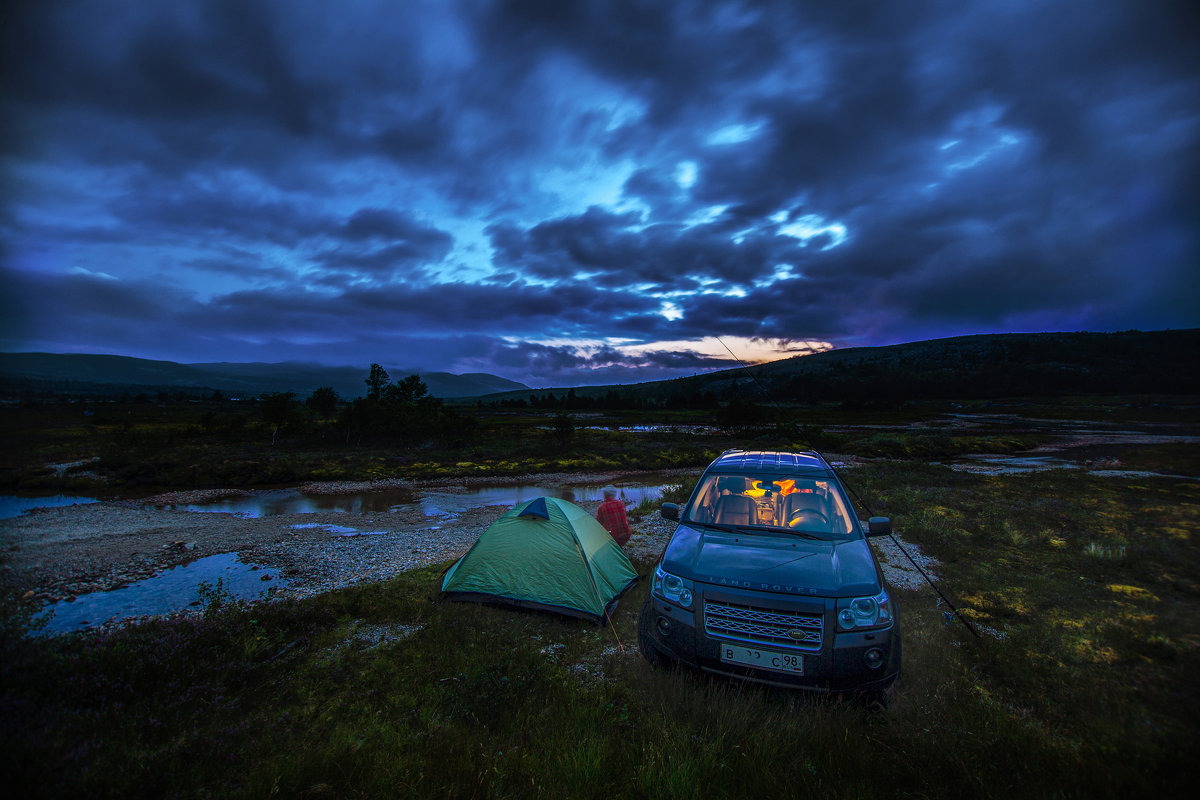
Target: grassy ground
[(379, 691)]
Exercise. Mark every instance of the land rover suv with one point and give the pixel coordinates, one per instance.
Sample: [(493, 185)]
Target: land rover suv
[(769, 577)]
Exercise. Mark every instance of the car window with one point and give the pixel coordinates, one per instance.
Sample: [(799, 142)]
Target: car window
[(796, 503)]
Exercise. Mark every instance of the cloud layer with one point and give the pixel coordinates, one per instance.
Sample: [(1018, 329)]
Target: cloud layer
[(567, 193)]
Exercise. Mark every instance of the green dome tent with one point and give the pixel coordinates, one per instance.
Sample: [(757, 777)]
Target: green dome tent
[(546, 554)]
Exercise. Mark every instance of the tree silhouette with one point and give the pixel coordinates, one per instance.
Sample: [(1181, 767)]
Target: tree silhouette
[(324, 400), (376, 381), (277, 410), (410, 389)]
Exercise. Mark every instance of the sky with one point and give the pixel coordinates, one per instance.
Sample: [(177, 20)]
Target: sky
[(590, 192)]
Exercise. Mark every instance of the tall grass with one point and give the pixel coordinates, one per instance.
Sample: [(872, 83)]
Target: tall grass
[(1089, 692)]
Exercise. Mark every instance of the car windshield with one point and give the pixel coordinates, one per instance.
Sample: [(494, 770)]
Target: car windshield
[(795, 504)]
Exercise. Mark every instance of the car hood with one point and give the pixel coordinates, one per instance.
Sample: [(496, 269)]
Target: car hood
[(783, 563)]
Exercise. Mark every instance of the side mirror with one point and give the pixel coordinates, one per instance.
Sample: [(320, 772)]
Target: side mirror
[(670, 511), (879, 526)]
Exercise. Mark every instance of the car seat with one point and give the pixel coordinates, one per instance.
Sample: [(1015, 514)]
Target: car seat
[(735, 509)]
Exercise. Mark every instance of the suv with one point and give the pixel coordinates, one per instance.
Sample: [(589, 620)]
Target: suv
[(769, 577)]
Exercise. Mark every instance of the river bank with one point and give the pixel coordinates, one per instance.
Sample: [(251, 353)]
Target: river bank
[(58, 553)]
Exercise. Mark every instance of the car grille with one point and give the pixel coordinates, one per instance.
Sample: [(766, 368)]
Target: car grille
[(763, 626)]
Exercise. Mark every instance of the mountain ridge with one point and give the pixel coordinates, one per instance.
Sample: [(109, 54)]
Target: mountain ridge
[(972, 366), (103, 373), (977, 365)]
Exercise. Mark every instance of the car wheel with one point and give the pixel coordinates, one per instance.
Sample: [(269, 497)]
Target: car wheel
[(646, 644)]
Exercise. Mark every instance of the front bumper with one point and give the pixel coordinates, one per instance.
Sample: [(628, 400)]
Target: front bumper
[(839, 664)]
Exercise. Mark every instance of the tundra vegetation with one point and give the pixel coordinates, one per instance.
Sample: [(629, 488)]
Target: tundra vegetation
[(1082, 683)]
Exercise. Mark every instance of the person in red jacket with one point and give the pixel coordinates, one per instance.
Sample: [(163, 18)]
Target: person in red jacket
[(611, 514)]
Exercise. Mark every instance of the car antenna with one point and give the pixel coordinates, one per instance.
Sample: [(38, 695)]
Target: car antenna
[(928, 580), (751, 374), (891, 536)]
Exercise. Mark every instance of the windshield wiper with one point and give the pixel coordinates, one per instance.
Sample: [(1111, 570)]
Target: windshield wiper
[(805, 534), (757, 529), (716, 526)]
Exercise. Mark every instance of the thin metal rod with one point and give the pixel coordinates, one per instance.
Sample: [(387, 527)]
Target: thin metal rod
[(753, 377), (913, 561)]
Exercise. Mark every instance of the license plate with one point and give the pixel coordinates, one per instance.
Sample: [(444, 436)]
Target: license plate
[(763, 659)]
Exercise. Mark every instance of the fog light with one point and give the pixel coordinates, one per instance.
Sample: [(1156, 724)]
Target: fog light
[(664, 626), (874, 658)]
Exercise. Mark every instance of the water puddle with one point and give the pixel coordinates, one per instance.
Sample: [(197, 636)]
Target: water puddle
[(1011, 465), (341, 530), (431, 503), (293, 501), (172, 590), (684, 429), (435, 504), (986, 464), (13, 506)]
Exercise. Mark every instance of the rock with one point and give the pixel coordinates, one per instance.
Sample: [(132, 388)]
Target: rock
[(265, 578), (29, 595)]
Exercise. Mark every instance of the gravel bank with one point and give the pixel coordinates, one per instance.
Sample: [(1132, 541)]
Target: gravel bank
[(57, 553)]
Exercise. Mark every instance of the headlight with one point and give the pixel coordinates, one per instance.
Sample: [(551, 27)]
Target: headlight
[(864, 612), (673, 589)]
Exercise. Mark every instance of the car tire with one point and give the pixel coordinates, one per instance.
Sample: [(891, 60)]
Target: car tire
[(646, 645)]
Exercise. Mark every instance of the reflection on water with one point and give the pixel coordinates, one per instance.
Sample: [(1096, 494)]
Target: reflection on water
[(684, 429), (172, 590), (341, 530), (1006, 465), (431, 503), (12, 506), (988, 464), (293, 501), (435, 504)]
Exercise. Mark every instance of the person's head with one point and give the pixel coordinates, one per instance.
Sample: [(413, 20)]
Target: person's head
[(568, 495), (610, 492)]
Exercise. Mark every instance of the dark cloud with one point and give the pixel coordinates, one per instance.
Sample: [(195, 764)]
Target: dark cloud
[(219, 210), (517, 186), (622, 253), (544, 364), (382, 242)]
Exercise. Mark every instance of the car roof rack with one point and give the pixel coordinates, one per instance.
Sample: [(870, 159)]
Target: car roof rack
[(771, 461)]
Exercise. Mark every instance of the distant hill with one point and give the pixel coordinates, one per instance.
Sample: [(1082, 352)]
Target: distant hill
[(107, 374), (963, 367)]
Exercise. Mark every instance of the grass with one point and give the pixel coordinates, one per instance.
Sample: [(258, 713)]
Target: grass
[(380, 691), (134, 448), (140, 448)]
